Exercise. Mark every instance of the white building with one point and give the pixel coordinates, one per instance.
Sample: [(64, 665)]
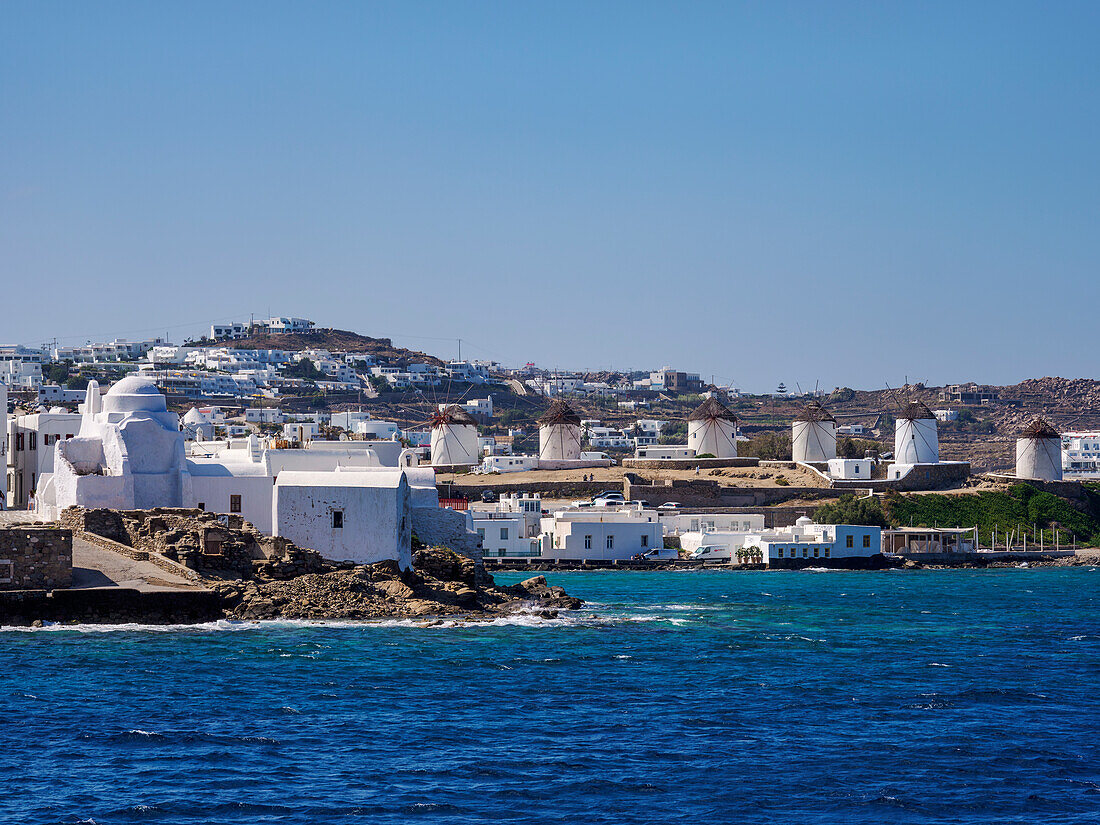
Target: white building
[(196, 426), (813, 435), (30, 454), (301, 430), (665, 451), (851, 468), (264, 415), (1081, 455), (850, 429), (946, 415), (117, 350), (1039, 452), (677, 524), (600, 534), (512, 530), (361, 516), (712, 430), (809, 544), (560, 433), (56, 394), (21, 374)]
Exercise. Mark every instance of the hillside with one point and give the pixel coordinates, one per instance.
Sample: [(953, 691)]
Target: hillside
[(334, 340)]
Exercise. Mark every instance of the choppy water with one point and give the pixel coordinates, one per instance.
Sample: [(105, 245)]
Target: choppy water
[(961, 696)]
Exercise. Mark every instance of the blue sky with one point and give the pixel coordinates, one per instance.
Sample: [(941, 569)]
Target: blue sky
[(843, 193)]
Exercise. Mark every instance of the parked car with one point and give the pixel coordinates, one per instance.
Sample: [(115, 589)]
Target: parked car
[(488, 496), (612, 500), (669, 505)]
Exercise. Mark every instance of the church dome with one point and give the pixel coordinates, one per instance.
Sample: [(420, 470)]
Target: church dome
[(193, 416), (134, 394)]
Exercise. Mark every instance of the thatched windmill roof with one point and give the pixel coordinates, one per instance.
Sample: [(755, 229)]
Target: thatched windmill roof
[(451, 415), (712, 409), (559, 413), (1039, 428), (916, 410), (813, 411)]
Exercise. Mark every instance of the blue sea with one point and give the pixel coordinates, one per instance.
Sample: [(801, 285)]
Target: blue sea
[(696, 697)]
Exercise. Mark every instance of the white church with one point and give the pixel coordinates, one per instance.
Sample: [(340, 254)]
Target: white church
[(349, 500)]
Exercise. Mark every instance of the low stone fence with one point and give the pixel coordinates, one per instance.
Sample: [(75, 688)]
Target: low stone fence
[(688, 463), (708, 493), (921, 477), (35, 556), (546, 489)]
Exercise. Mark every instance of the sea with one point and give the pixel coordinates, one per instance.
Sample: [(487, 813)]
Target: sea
[(932, 696)]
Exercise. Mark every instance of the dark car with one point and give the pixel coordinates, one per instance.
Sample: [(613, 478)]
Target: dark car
[(488, 496)]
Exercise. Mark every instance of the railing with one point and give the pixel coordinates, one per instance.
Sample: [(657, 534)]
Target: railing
[(455, 503)]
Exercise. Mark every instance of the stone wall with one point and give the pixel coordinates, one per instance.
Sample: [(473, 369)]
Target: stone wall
[(33, 557), (439, 527), (218, 546), (546, 489), (687, 463), (708, 493)]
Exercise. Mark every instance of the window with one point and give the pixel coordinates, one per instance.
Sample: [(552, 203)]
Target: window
[(337, 519), (34, 441), (848, 541), (7, 571), (645, 541), (19, 442), (826, 552), (610, 542), (779, 553), (867, 541), (816, 551), (805, 552), (587, 542), (235, 503), (504, 534), (202, 505)]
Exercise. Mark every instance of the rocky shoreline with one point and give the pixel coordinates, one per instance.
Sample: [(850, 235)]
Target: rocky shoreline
[(441, 584)]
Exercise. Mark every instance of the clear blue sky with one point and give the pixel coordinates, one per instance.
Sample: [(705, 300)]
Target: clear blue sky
[(834, 192)]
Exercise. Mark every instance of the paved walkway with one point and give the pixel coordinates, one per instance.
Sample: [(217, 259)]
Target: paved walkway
[(95, 567)]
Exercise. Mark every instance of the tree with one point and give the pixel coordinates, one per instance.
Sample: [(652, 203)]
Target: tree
[(851, 510), (304, 369), (770, 446)]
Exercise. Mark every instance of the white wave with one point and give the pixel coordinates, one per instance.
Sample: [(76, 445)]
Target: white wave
[(519, 619), (937, 664)]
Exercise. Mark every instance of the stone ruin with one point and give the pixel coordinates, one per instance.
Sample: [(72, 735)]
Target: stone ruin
[(216, 546)]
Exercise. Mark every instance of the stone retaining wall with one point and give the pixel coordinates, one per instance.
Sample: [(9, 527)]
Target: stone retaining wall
[(109, 605), (688, 463), (708, 493), (33, 557)]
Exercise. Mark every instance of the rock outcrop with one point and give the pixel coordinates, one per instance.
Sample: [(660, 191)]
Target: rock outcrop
[(442, 583)]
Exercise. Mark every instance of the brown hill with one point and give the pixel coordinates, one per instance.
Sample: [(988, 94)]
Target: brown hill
[(334, 340)]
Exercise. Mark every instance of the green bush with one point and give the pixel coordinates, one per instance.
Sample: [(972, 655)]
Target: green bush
[(851, 510)]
